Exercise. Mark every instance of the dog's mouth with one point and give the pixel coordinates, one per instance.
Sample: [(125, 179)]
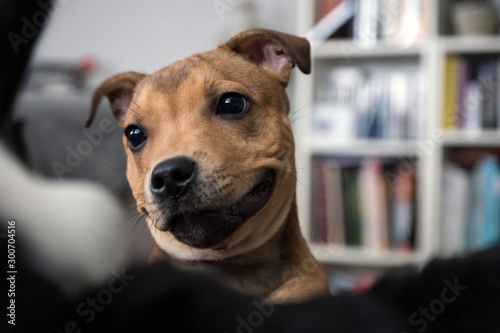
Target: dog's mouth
[(207, 228)]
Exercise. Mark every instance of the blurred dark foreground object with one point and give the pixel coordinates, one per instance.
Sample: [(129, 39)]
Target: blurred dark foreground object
[(457, 295)]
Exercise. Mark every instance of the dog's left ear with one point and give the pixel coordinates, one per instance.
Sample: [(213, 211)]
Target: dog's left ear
[(119, 90), (274, 51)]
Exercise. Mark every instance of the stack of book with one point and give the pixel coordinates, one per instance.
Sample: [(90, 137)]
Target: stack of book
[(364, 202), (367, 21), (472, 91), (356, 103), (471, 206)]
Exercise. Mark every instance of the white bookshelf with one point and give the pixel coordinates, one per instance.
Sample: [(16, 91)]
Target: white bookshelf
[(487, 138), (364, 147), (470, 45), (343, 49), (329, 254), (428, 57)]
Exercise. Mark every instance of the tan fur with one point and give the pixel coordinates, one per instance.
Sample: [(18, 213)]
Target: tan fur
[(267, 256)]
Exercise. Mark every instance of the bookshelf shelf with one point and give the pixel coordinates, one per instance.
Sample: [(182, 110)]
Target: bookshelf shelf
[(335, 255), (365, 147), (470, 45), (471, 139), (346, 49)]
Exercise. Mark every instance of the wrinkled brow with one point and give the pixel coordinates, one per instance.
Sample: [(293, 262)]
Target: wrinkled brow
[(170, 78)]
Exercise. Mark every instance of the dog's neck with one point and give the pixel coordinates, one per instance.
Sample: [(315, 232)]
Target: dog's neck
[(249, 272)]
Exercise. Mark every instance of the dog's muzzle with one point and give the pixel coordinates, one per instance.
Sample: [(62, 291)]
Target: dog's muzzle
[(174, 184)]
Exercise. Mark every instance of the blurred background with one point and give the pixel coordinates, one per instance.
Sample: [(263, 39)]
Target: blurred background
[(397, 127)]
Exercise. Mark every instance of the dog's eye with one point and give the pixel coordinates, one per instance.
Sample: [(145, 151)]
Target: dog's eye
[(135, 136), (231, 103)]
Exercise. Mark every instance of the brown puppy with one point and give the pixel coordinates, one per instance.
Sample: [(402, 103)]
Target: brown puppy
[(211, 163)]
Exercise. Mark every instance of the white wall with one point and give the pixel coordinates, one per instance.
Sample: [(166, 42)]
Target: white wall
[(150, 34)]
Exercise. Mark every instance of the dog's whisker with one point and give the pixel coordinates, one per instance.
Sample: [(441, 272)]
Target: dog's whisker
[(294, 175), (134, 227), (303, 116), (293, 113), (134, 209)]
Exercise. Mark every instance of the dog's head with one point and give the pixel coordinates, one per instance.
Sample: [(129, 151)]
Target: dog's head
[(209, 144)]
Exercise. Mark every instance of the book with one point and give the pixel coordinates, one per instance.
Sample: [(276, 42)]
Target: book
[(396, 126), (369, 103), (403, 210), (415, 116), (450, 93), (352, 206), (471, 206), (373, 209), (456, 189), (324, 7), (489, 233), (319, 231), (471, 118), (364, 202), (486, 77), (365, 29), (465, 93), (394, 21), (390, 20), (412, 17), (471, 96), (334, 203), (497, 91), (331, 15)]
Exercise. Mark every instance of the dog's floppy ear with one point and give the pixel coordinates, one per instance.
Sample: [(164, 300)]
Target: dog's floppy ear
[(119, 90), (275, 51)]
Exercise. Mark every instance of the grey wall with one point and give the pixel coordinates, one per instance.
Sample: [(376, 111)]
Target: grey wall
[(147, 35)]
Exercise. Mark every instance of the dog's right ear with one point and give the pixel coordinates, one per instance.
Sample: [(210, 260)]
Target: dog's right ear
[(274, 51), (119, 90)]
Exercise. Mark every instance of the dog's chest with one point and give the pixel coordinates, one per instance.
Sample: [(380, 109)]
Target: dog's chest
[(258, 278)]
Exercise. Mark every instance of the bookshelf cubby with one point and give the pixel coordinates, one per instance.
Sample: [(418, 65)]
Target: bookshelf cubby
[(433, 145)]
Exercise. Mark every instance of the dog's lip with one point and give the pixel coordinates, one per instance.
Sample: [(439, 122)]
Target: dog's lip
[(262, 191), (259, 194), (221, 222)]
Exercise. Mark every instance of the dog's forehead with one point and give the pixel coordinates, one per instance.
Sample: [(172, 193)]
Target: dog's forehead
[(205, 68), (168, 79)]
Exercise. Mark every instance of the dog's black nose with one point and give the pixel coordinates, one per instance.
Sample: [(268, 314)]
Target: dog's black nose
[(171, 178)]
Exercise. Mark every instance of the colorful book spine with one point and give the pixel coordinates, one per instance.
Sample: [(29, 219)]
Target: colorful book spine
[(490, 231), (373, 209), (402, 209), (369, 103), (450, 93), (334, 203), (364, 202), (456, 189), (471, 206), (471, 93)]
